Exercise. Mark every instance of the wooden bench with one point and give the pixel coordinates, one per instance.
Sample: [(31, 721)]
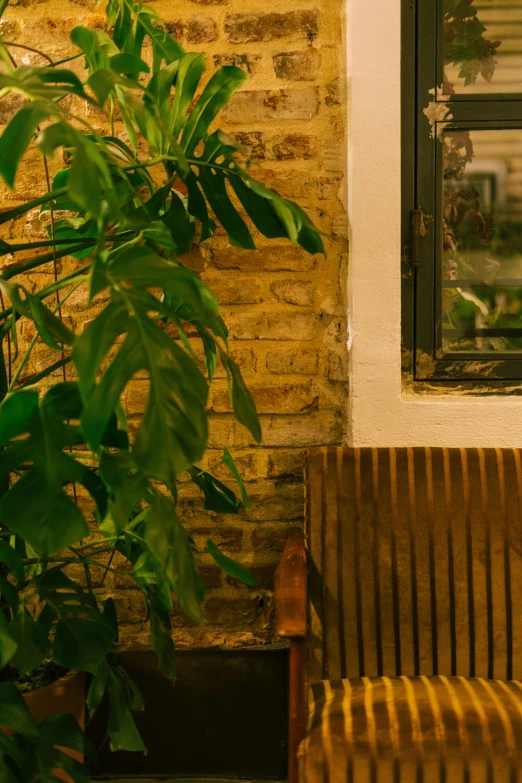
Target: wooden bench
[(406, 592)]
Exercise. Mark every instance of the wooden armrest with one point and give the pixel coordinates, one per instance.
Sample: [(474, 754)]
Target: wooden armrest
[(291, 590)]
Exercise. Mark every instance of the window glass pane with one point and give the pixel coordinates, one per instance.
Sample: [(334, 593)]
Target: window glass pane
[(482, 240), (482, 46)]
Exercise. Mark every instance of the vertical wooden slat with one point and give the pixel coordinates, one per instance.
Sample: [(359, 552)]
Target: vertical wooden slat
[(514, 499), (441, 562), (413, 562), (451, 561), (341, 563), (504, 527), (351, 598), (332, 565), (376, 559), (394, 569), (314, 527), (469, 562), (431, 560), (367, 572), (487, 560), (357, 555)]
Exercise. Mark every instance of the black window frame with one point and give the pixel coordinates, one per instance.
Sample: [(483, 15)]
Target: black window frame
[(421, 72)]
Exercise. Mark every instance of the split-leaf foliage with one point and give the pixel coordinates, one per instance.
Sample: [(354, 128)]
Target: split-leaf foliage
[(126, 206)]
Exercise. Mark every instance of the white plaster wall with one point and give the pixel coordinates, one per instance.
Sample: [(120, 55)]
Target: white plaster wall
[(380, 414)]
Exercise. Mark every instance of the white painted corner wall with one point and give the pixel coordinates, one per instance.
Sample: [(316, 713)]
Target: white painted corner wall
[(380, 413)]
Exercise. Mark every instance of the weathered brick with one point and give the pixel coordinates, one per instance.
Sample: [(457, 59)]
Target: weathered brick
[(253, 141), (294, 146), (242, 28), (252, 106), (231, 611), (338, 366), (211, 576), (273, 537), (274, 399), (245, 463), (333, 90), (245, 358), (286, 464), (201, 29), (247, 62), (293, 292), (175, 28), (236, 290), (283, 258), (299, 362), (279, 501), (131, 607), (301, 66), (263, 573), (227, 538), (323, 428), (273, 326), (296, 184)]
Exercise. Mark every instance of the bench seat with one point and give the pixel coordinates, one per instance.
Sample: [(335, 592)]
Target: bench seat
[(413, 728)]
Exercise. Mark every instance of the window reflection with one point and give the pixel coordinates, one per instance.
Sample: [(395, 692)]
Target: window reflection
[(482, 46)]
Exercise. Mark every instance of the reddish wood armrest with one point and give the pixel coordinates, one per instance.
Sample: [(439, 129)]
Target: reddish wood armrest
[(290, 590), (291, 615)]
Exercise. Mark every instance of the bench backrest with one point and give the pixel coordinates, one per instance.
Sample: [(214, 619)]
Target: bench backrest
[(415, 562)]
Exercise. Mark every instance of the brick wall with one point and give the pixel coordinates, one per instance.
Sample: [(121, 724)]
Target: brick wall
[(286, 310)]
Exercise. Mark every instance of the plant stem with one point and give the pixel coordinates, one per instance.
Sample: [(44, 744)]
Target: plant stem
[(27, 354), (31, 263), (68, 560), (5, 217), (67, 59), (99, 541), (50, 289), (29, 49), (49, 243)]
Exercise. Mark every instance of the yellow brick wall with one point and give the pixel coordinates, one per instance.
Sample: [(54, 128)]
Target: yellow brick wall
[(286, 310)]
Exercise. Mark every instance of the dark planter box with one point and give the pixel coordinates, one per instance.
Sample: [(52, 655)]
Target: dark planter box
[(225, 717)]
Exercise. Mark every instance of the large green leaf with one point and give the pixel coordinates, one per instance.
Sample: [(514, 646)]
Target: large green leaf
[(9, 557), (123, 699), (81, 643), (190, 69), (230, 566), (160, 523), (8, 648), (184, 575), (28, 656), (218, 497), (173, 431), (126, 485), (36, 506), (219, 89), (162, 643), (231, 465), (14, 712), (17, 136), (242, 400)]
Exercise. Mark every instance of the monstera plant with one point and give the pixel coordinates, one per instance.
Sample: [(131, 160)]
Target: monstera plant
[(123, 207)]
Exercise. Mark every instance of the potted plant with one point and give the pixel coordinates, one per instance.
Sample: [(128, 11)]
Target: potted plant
[(126, 199)]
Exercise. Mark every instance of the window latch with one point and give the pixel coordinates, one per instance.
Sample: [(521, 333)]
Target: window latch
[(416, 234)]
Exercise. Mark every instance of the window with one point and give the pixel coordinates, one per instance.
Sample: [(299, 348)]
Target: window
[(462, 190)]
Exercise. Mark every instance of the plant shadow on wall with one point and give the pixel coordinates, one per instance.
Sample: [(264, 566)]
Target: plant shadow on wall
[(78, 487)]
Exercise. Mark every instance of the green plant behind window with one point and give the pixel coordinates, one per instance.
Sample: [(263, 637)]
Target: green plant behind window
[(127, 217)]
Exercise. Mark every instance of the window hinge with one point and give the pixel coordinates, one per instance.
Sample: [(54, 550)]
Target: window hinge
[(416, 234)]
